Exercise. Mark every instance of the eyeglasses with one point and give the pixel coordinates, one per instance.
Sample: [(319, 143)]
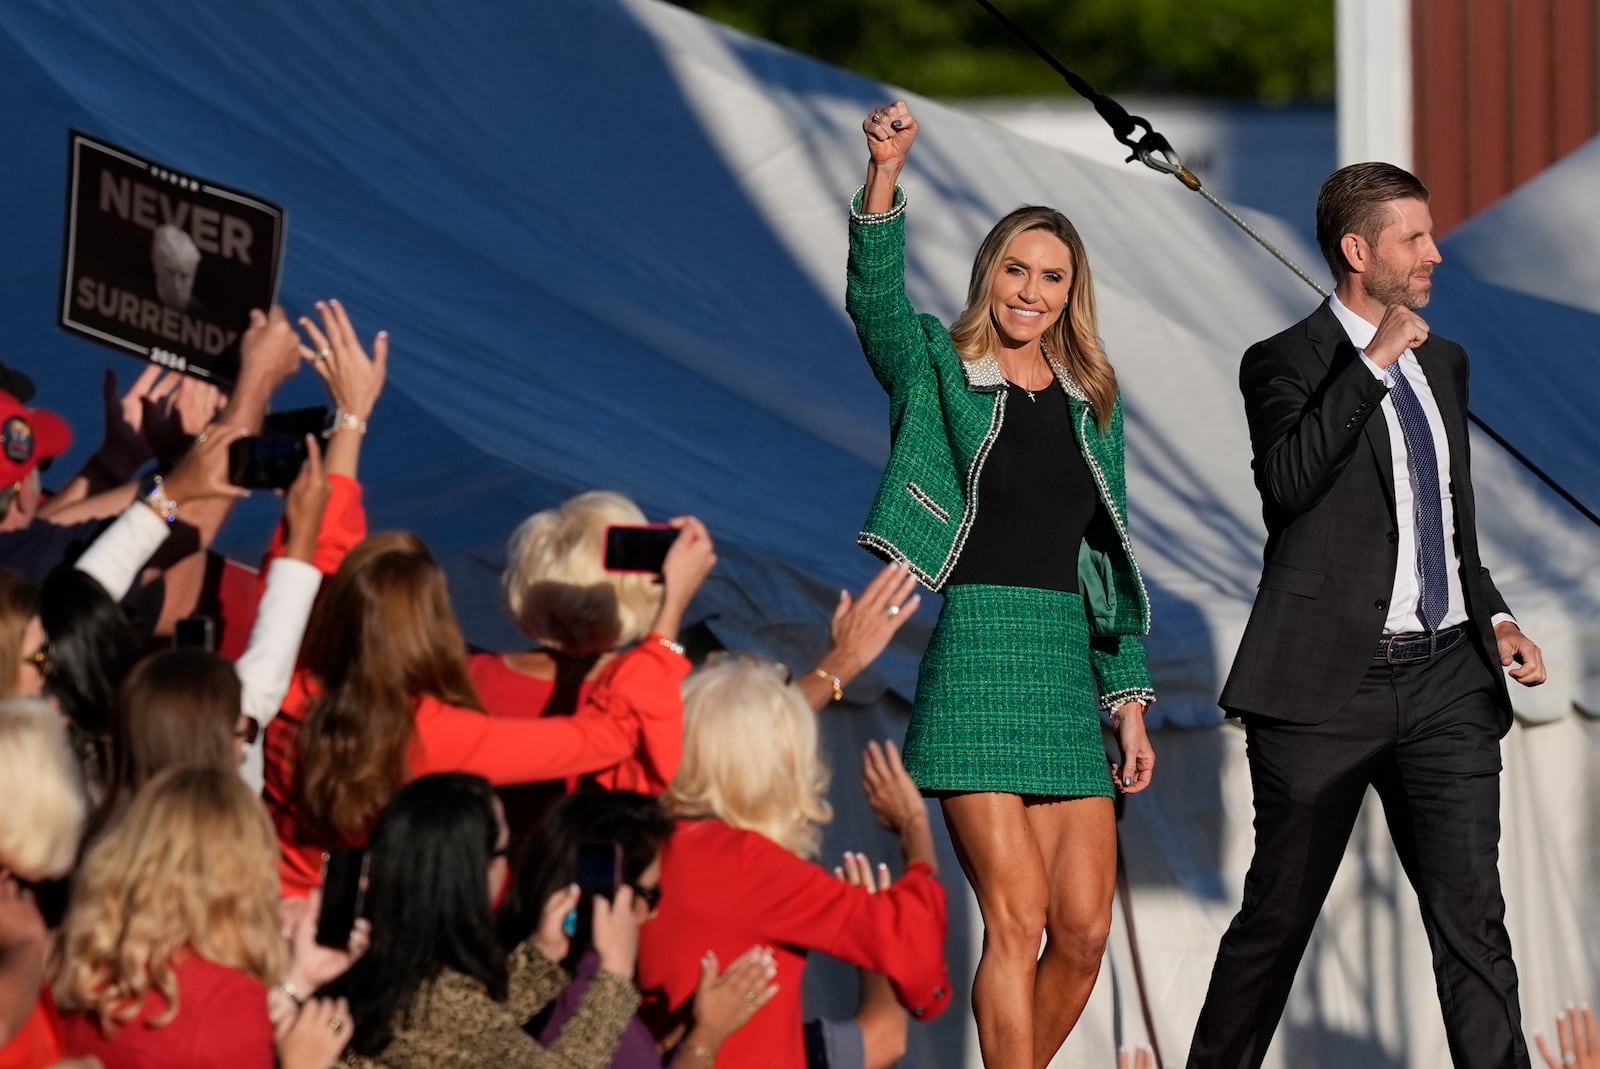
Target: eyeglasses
[(40, 659), (777, 668), (650, 896), (248, 729)]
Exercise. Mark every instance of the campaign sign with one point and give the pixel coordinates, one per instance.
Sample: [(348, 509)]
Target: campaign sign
[(162, 264)]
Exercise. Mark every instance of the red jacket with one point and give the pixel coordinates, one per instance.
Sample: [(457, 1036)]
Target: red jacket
[(221, 1024), (630, 724), (726, 890)]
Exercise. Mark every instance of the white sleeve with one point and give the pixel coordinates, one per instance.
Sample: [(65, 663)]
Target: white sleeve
[(115, 558), (267, 664)]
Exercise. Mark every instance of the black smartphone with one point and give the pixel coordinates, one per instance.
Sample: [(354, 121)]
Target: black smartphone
[(599, 868), (344, 886), (298, 422), (195, 633), (599, 873), (266, 461), (638, 549)]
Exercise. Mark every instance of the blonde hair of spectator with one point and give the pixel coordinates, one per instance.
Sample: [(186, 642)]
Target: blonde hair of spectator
[(42, 819), (19, 603), (750, 757), (189, 868), (557, 588)]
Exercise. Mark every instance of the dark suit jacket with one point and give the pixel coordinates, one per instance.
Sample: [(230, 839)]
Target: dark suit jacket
[(1325, 473)]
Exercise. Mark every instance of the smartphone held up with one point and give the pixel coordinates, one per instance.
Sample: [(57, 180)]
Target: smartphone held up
[(638, 548)]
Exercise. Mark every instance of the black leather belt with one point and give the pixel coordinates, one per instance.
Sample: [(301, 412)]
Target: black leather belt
[(1405, 649)]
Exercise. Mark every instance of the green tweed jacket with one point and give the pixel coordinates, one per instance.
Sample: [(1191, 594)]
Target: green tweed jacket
[(944, 415)]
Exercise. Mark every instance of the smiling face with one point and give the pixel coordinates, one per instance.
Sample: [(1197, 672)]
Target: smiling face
[(1401, 270), (1029, 288)]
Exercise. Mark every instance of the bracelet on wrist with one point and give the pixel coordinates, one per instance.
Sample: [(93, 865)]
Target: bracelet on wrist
[(286, 988), (675, 647), (705, 1054), (155, 496), (833, 681), (345, 421)]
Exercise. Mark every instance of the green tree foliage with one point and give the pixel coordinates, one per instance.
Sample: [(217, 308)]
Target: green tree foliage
[(1270, 50)]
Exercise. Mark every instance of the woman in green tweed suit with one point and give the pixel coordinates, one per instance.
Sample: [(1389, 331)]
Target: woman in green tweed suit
[(1015, 405)]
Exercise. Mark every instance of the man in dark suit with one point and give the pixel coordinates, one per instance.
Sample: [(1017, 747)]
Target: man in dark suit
[(1374, 651)]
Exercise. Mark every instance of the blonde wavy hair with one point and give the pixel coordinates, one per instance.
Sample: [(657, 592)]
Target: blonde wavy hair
[(1074, 338), (42, 819), (556, 585), (750, 756), (190, 867)]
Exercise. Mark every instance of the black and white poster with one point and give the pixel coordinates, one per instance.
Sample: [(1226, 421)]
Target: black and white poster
[(162, 264)]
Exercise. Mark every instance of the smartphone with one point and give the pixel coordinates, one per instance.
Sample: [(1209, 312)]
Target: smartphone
[(266, 461), (599, 873), (297, 422), (195, 633), (599, 868), (344, 887), (638, 549)]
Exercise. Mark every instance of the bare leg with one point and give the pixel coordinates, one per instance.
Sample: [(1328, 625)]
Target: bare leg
[(996, 847), (1078, 841)]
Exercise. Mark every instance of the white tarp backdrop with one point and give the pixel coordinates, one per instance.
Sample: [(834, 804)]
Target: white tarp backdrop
[(608, 240)]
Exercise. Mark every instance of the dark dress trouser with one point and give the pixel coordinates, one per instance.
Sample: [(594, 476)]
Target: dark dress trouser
[(1427, 736)]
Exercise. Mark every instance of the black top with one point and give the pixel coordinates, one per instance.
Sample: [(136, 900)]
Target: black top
[(1036, 498)]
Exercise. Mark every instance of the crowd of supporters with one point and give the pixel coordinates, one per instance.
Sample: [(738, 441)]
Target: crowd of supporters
[(172, 818)]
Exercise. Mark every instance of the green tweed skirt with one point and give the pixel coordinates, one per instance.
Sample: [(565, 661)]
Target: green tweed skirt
[(1006, 699)]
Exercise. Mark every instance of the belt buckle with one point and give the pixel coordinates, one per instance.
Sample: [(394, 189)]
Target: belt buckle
[(1389, 654)]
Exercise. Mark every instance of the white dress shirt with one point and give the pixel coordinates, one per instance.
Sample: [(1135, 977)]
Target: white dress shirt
[(1405, 613)]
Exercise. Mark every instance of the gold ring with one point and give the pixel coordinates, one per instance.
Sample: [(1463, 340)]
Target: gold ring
[(336, 1024), (877, 118), (200, 439)]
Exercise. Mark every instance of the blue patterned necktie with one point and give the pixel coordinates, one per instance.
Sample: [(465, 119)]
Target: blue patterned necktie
[(1428, 512)]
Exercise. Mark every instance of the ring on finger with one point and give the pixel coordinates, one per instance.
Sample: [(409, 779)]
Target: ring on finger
[(200, 439), (336, 1023), (1569, 1057), (752, 996), (877, 118), (892, 611), (324, 352)]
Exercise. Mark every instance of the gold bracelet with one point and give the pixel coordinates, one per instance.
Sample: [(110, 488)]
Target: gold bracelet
[(833, 681)]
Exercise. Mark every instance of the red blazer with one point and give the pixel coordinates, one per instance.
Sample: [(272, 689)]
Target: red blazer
[(606, 731), (221, 1024), (726, 890), (631, 724)]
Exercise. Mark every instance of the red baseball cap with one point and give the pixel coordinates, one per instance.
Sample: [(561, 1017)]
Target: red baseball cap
[(28, 437)]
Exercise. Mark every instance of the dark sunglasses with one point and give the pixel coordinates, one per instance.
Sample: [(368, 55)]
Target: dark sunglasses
[(650, 896), (249, 731)]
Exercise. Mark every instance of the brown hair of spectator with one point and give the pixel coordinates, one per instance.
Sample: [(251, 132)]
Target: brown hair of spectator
[(190, 868), (176, 708), (1352, 201), (19, 603), (382, 635)]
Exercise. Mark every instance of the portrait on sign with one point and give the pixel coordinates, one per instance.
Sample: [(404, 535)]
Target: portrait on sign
[(162, 264)]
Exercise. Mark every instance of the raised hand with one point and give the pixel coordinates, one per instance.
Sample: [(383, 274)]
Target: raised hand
[(616, 932), (353, 379), (890, 130), (688, 562), (1399, 329)]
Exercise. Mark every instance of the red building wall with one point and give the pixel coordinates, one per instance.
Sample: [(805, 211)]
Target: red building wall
[(1502, 89)]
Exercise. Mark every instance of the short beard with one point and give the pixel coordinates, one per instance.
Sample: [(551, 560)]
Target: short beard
[(1388, 286)]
